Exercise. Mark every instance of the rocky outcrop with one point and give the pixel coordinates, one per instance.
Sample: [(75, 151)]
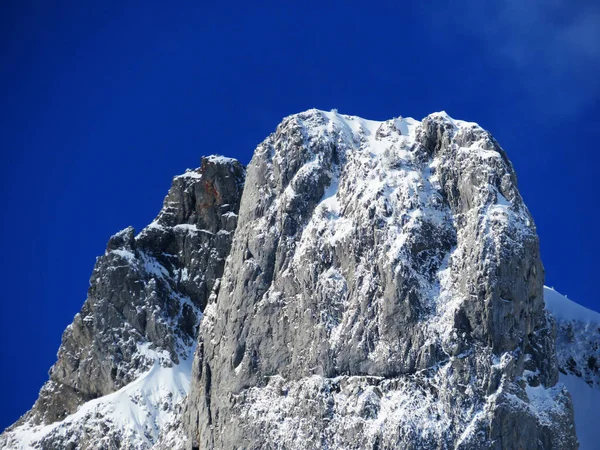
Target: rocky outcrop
[(146, 297), (383, 290)]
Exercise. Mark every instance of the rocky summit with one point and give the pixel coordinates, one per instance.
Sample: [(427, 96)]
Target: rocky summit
[(360, 285)]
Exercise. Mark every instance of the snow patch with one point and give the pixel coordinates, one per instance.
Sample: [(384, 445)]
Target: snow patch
[(219, 159), (563, 308), (139, 410)]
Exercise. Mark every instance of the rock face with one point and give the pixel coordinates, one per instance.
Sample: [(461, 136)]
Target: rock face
[(139, 321), (383, 290)]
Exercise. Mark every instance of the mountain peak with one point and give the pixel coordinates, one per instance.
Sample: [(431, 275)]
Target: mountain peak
[(361, 284)]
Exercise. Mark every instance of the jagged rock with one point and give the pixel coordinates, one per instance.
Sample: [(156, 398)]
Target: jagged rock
[(145, 300), (383, 290)]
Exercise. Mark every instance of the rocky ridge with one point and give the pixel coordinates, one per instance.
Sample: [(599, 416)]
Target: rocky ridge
[(124, 363), (383, 289)]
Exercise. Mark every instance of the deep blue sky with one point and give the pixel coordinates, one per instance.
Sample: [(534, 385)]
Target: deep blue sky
[(103, 102)]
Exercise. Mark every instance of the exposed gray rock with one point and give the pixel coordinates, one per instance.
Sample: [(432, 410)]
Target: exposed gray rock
[(384, 290), (144, 303)]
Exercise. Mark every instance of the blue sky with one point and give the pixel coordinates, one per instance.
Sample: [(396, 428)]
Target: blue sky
[(103, 102)]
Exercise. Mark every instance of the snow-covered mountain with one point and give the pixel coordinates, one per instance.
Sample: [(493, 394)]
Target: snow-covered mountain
[(381, 288), (578, 353)]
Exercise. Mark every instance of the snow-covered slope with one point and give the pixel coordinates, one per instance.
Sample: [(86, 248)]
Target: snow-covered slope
[(130, 418), (578, 353)]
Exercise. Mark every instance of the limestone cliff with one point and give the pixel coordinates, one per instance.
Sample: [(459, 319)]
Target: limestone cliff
[(383, 290)]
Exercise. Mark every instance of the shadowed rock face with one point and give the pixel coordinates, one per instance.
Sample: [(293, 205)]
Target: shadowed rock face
[(145, 300), (383, 290)]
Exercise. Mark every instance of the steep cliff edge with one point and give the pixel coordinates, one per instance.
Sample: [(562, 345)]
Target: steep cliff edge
[(383, 290), (124, 363)]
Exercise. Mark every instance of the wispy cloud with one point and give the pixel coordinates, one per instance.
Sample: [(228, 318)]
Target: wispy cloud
[(552, 45)]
